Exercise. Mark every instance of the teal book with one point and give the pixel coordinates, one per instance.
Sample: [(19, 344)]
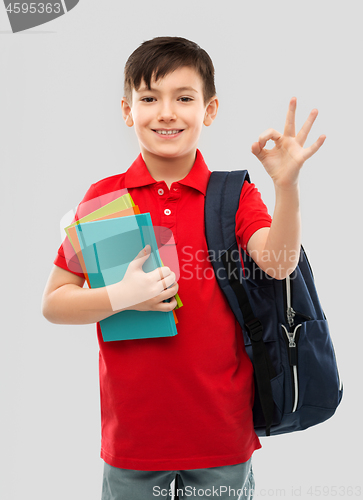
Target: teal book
[(108, 246)]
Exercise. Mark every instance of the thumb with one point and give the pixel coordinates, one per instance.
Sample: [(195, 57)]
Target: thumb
[(256, 149), (143, 255), (259, 152)]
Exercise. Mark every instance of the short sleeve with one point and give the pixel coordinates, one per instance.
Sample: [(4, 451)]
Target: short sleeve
[(252, 214), (67, 257)]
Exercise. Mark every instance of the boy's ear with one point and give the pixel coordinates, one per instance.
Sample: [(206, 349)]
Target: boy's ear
[(126, 112), (211, 111)]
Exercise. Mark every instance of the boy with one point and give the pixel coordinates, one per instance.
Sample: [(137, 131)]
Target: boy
[(181, 404)]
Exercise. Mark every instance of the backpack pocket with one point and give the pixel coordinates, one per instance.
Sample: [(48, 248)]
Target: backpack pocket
[(314, 382), (278, 394), (319, 380)]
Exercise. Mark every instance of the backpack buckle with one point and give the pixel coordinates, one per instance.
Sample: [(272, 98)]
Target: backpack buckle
[(254, 329)]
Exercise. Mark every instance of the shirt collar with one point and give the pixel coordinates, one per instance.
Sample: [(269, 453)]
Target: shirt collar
[(138, 175)]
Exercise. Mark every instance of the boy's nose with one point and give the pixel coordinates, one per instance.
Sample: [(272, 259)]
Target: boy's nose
[(166, 113)]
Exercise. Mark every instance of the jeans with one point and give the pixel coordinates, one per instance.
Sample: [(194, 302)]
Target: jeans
[(231, 481)]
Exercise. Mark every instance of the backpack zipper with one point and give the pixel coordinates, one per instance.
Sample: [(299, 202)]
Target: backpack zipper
[(292, 348), (293, 363), (290, 311)]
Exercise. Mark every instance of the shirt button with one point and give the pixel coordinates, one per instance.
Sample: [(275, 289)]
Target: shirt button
[(167, 211), (161, 191)]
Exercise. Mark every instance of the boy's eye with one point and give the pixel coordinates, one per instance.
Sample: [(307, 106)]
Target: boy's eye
[(150, 99)]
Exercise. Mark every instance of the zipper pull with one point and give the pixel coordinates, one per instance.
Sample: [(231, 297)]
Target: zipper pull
[(290, 313), (293, 347), (300, 314), (292, 352)]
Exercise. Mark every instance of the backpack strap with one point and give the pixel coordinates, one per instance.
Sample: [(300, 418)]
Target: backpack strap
[(221, 204), (176, 487)]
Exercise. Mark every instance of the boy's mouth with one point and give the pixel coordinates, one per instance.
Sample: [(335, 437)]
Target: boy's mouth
[(168, 132)]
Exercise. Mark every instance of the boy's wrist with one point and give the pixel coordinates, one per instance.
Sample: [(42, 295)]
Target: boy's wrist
[(288, 193), (118, 297), (289, 186)]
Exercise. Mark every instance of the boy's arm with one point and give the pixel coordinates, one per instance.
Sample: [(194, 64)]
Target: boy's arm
[(65, 301), (276, 249)]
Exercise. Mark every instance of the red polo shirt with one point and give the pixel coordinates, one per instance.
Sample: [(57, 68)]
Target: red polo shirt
[(182, 402)]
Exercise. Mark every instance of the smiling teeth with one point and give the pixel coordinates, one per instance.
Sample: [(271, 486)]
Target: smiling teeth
[(169, 132)]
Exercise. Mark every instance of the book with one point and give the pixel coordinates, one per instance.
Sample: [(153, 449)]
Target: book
[(108, 246), (73, 238), (117, 207)]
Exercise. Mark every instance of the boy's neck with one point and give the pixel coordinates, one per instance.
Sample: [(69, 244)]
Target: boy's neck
[(169, 170)]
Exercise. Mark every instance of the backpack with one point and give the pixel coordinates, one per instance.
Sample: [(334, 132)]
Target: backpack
[(286, 334)]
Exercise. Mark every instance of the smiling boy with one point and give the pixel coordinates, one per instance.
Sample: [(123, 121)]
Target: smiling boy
[(174, 103), (181, 404)]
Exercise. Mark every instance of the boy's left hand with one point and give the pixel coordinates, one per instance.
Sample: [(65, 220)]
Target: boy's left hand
[(285, 160)]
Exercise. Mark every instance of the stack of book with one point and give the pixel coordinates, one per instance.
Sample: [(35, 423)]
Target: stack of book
[(105, 242)]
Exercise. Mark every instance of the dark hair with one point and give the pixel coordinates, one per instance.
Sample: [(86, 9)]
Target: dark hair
[(162, 55)]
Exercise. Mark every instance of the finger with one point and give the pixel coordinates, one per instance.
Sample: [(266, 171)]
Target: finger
[(164, 272), (156, 276), (290, 118), (169, 292), (165, 295), (146, 249), (143, 255), (166, 306), (269, 134), (256, 149), (162, 278), (308, 152), (305, 129), (167, 282), (170, 280), (159, 273), (162, 301)]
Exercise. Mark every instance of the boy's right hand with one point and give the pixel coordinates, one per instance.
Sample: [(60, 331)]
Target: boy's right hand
[(142, 291)]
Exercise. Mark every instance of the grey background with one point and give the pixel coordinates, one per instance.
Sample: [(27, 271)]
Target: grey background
[(62, 130)]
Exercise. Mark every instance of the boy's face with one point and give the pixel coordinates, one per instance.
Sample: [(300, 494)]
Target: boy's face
[(174, 104)]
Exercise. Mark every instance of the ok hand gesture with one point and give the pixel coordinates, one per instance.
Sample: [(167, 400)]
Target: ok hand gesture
[(284, 161)]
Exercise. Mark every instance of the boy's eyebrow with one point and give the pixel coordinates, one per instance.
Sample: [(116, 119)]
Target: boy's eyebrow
[(180, 89)]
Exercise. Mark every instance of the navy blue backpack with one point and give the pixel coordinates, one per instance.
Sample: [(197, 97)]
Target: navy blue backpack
[(285, 331)]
